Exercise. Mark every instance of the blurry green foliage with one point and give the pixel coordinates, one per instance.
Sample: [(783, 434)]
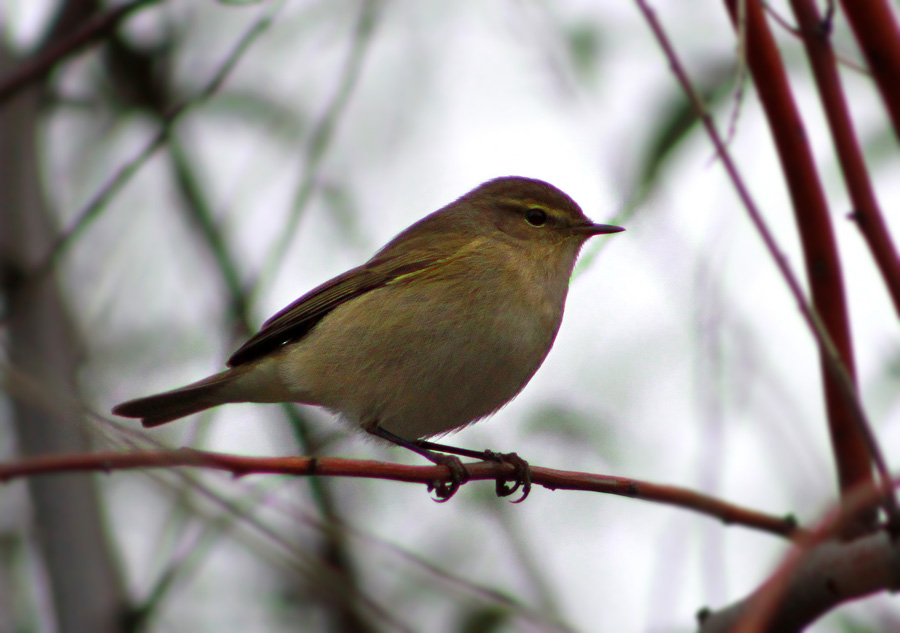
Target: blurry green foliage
[(585, 45), (484, 619), (675, 120)]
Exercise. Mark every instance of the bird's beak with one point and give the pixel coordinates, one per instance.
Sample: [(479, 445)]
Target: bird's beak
[(596, 229)]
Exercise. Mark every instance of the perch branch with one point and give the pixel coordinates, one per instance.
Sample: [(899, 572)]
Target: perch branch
[(549, 478)]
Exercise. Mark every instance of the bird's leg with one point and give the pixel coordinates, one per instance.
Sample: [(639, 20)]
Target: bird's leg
[(443, 490), (522, 472)]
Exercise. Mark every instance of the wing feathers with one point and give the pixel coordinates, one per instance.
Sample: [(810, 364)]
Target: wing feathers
[(296, 320)]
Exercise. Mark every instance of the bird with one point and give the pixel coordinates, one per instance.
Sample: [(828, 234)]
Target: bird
[(439, 329)]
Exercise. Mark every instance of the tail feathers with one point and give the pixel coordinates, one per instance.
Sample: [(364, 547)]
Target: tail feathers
[(171, 405)]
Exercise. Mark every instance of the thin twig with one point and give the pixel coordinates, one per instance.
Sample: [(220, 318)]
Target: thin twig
[(199, 209), (291, 555), (320, 138), (866, 210), (854, 445), (862, 70), (297, 558), (552, 479), (832, 358), (126, 171), (92, 31), (819, 573)]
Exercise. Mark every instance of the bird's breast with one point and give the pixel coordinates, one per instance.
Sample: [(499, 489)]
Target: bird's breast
[(434, 354)]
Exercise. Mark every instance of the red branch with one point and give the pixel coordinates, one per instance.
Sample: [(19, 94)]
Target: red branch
[(866, 210), (878, 35), (337, 467), (815, 581), (823, 270), (830, 355), (820, 573)]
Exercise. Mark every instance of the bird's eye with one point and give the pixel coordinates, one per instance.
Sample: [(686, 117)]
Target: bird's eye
[(536, 217)]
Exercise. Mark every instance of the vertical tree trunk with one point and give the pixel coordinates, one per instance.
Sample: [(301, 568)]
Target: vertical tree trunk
[(87, 591)]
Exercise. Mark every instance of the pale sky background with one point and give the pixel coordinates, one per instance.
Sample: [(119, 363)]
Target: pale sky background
[(682, 358)]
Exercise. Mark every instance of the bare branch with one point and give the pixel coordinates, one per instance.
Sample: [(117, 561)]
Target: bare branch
[(826, 577), (875, 25), (831, 357), (124, 174), (866, 210), (819, 574), (320, 139), (552, 479), (92, 31)]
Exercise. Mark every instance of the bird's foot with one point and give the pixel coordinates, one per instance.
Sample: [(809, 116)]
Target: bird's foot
[(444, 490), (521, 475)]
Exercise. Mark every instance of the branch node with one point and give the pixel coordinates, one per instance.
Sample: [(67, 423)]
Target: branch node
[(703, 615)]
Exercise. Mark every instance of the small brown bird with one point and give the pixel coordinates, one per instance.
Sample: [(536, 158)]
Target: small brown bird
[(442, 327)]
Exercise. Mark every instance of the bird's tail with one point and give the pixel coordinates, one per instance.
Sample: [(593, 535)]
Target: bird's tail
[(171, 405)]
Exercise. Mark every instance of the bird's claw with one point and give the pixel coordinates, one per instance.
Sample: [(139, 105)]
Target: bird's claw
[(522, 475), (444, 490)]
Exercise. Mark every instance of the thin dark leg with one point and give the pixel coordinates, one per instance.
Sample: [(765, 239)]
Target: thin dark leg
[(455, 450), (443, 490)]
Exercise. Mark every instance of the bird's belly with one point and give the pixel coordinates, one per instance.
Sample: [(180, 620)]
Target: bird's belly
[(421, 367)]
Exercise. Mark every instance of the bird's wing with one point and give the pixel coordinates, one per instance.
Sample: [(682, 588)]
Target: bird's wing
[(297, 319)]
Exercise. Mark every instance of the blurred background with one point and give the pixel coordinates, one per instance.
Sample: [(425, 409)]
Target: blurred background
[(206, 163)]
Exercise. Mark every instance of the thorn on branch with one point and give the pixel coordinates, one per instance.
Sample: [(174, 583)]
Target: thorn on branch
[(703, 615)]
